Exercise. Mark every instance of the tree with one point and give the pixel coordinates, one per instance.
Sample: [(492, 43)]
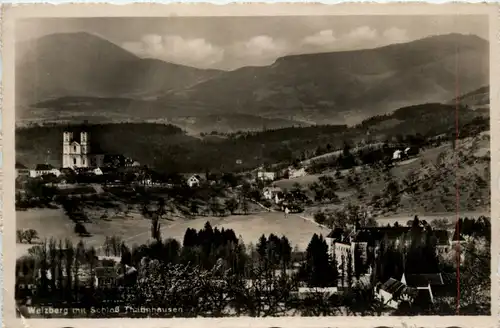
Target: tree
[(172, 250), (244, 206), (194, 207), (318, 270), (20, 236), (70, 257), (80, 229), (349, 269), (440, 224), (232, 205), (156, 228), (262, 247), (79, 259), (126, 258), (286, 251), (320, 217), (359, 267)]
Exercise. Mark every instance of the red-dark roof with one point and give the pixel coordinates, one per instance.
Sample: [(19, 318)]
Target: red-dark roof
[(394, 287), (423, 280), (20, 166), (43, 167), (336, 233), (442, 237)]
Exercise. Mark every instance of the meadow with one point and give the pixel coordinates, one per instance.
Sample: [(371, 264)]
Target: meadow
[(135, 229)]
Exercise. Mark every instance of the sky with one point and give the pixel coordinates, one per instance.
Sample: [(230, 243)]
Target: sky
[(233, 42)]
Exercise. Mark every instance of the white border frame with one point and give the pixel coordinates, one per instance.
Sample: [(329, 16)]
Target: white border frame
[(12, 12)]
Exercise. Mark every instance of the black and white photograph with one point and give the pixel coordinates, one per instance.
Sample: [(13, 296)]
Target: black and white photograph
[(252, 166)]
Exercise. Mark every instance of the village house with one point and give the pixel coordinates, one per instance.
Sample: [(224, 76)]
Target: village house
[(279, 197), (266, 176), (194, 180), (269, 193), (296, 172), (44, 169), (393, 292), (429, 286), (22, 171), (103, 170), (396, 156)]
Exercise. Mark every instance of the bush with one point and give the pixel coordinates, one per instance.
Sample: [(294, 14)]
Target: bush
[(320, 217), (80, 229), (26, 235)]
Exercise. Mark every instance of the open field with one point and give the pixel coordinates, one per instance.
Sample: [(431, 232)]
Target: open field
[(136, 230)]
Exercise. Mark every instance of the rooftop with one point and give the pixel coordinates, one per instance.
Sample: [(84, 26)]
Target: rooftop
[(423, 280), (394, 287), (20, 166), (43, 167), (442, 237)]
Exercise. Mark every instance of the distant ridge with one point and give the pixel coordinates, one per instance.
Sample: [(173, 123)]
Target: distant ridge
[(336, 87)]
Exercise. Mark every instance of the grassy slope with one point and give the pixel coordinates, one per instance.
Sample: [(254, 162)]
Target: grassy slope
[(441, 196), (136, 230)]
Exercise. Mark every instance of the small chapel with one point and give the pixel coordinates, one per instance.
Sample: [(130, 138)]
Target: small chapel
[(77, 151)]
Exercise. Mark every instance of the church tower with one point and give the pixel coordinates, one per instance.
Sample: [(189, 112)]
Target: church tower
[(84, 149), (67, 137)]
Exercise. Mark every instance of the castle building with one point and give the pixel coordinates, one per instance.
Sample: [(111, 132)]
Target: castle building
[(77, 151)]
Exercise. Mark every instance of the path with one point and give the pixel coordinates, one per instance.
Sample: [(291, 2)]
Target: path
[(98, 188), (296, 214)]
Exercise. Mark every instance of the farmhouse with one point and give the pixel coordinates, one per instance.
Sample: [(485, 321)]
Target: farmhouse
[(194, 180), (296, 173), (424, 283), (21, 170), (266, 176), (270, 192), (392, 292), (396, 155), (44, 169)]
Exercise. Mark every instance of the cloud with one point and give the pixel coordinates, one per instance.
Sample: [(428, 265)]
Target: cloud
[(362, 37), (173, 48), (260, 46), (324, 37), (396, 35), (260, 49), (364, 33)]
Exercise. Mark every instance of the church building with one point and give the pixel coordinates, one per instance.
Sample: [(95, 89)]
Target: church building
[(77, 151)]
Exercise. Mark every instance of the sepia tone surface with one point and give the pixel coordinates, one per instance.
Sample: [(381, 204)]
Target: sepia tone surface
[(251, 161)]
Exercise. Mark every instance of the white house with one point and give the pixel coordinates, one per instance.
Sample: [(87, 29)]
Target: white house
[(279, 197), (266, 176), (296, 173), (396, 155), (44, 169), (193, 181), (270, 192), (424, 282), (390, 293)]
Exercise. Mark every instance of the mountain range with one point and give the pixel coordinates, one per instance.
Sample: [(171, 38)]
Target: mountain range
[(76, 76)]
